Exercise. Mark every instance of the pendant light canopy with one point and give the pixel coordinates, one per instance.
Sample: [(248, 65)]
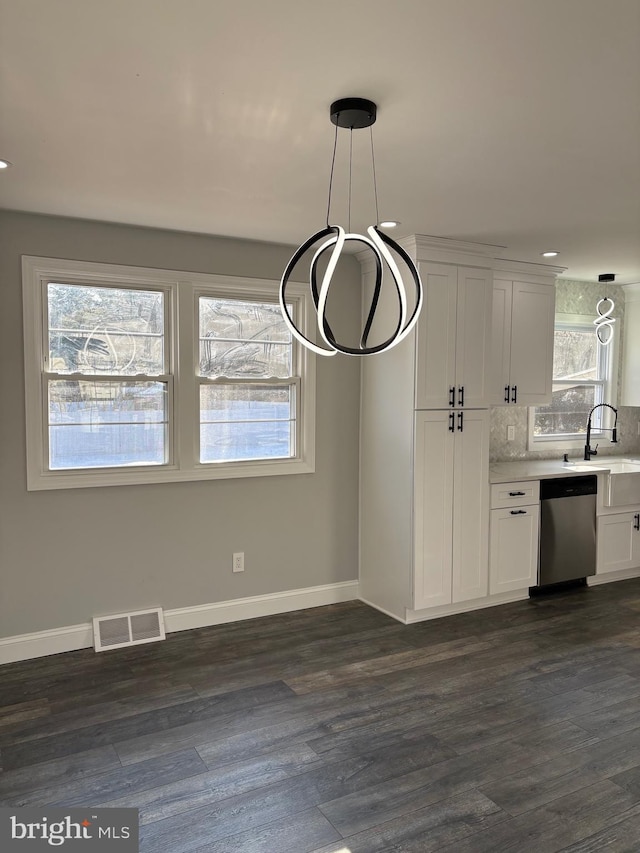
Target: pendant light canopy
[(604, 322), (354, 114)]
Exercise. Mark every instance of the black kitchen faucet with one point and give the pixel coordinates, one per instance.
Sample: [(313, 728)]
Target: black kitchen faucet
[(588, 452)]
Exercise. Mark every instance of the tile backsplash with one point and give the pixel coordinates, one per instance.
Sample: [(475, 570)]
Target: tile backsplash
[(572, 297), (501, 450)]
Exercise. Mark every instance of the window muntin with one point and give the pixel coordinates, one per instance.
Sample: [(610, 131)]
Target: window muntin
[(581, 370), (132, 386)]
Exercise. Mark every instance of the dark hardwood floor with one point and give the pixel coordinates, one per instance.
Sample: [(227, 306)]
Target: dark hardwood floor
[(337, 729)]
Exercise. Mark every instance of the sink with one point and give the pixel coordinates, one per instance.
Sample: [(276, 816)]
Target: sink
[(624, 485)]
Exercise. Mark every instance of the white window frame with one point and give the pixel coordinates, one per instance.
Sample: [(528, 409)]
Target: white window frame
[(608, 356), (182, 290)]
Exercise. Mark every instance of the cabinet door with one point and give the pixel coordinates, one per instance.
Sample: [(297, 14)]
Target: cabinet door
[(433, 508), (513, 556), (618, 542), (436, 346), (470, 567), (500, 378), (473, 337), (532, 326)]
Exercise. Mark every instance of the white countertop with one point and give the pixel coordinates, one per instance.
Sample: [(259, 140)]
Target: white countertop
[(544, 469)]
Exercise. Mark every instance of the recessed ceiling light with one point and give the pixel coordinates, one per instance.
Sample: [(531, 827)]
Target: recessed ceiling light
[(4, 164), (389, 223), (549, 254)]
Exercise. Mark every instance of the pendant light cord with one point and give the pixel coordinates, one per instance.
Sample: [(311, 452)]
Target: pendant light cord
[(350, 164), (375, 183), (333, 163)]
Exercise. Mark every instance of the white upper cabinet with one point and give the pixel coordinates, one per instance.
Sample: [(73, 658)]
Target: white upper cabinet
[(522, 342), (454, 337), (630, 392)]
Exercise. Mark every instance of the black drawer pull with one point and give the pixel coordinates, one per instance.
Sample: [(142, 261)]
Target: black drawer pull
[(514, 394), (461, 395), (452, 396), (460, 421), (507, 389), (518, 512), (452, 419), (636, 521), (516, 494)]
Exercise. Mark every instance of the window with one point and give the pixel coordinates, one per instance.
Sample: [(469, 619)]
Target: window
[(136, 375), (581, 380)]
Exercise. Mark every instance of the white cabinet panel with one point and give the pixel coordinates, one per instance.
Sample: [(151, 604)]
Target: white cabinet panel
[(522, 343), (436, 348), (618, 542), (451, 507), (505, 495), (470, 506), (513, 560), (433, 508), (473, 337), (630, 391), (532, 327), (501, 342), (454, 337)]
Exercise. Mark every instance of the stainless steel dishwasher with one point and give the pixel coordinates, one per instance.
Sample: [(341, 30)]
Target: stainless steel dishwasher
[(567, 529)]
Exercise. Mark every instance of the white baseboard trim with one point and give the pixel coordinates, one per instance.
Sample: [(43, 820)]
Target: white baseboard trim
[(73, 637), (51, 642), (610, 577), (270, 604), (466, 606)]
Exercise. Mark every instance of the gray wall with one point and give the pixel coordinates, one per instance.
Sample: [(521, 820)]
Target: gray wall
[(67, 555)]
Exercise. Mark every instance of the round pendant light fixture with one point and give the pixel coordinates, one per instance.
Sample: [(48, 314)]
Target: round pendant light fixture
[(354, 114)]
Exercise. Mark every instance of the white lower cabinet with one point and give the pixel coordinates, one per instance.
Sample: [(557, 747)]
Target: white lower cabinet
[(513, 557), (451, 507), (618, 542)]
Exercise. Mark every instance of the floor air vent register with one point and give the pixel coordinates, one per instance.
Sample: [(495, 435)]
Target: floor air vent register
[(128, 629)]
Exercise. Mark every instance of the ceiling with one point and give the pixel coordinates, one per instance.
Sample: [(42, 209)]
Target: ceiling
[(511, 122)]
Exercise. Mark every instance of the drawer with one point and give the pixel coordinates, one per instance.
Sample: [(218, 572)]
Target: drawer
[(515, 494)]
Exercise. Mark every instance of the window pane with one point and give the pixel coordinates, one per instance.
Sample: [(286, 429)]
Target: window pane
[(107, 424), (105, 330), (243, 339), (575, 354), (569, 410), (246, 422)]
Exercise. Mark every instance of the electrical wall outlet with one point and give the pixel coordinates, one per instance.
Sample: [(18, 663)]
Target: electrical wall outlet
[(238, 561), (511, 433)]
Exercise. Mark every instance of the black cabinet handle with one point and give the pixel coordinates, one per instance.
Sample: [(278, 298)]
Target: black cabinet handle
[(452, 396), (516, 494), (636, 521), (514, 394), (452, 419), (507, 389), (518, 512), (461, 395), (460, 421)]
